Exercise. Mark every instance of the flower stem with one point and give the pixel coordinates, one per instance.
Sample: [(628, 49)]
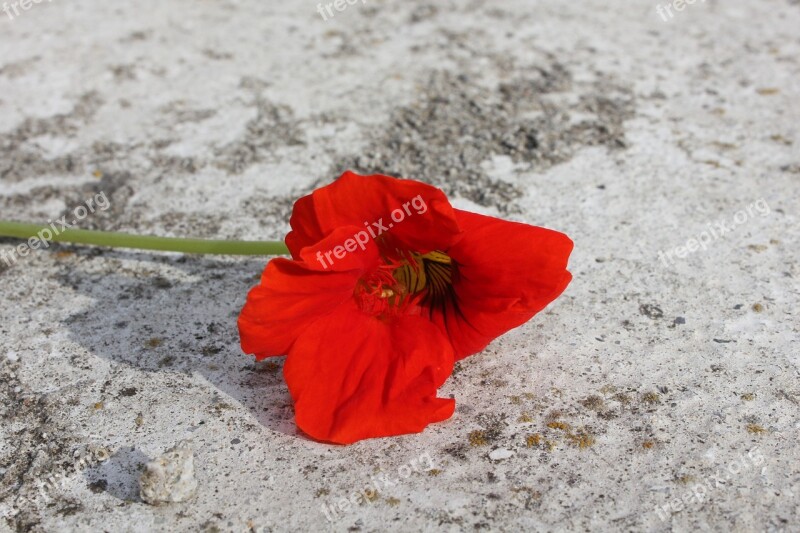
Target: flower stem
[(21, 230)]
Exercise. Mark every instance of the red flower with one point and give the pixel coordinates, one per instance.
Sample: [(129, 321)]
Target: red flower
[(387, 287)]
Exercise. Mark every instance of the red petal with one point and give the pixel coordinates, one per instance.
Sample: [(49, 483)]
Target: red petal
[(507, 272), (353, 376), (346, 248), (288, 299), (424, 219)]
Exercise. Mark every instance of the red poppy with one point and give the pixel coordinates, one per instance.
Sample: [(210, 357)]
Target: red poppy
[(387, 287)]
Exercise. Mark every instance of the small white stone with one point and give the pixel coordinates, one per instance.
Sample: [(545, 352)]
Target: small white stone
[(169, 478), (500, 453)]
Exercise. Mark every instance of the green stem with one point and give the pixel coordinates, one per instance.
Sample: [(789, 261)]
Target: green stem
[(21, 230)]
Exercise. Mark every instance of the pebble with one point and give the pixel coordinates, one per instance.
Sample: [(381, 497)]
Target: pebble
[(169, 478), (500, 453)]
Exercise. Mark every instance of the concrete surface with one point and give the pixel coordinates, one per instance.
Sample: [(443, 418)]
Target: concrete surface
[(661, 392)]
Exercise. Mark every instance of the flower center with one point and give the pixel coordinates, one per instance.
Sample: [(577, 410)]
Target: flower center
[(409, 283)]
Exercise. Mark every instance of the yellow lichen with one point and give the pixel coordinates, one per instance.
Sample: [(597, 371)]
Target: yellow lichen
[(155, 342), (608, 389), (478, 438), (593, 402), (651, 398), (622, 398), (529, 491), (581, 440)]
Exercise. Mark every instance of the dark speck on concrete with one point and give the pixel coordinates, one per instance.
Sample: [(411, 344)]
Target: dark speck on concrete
[(651, 311)]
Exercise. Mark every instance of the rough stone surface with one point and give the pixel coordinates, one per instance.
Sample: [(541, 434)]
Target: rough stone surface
[(661, 392), (170, 477)]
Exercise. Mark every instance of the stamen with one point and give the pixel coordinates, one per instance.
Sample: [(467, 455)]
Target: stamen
[(406, 280)]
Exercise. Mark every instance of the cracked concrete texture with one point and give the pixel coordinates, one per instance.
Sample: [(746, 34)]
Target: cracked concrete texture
[(661, 392)]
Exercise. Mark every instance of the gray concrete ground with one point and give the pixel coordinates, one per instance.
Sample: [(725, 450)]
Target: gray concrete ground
[(659, 393)]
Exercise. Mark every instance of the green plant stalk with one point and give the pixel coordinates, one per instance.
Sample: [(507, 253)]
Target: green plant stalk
[(112, 239)]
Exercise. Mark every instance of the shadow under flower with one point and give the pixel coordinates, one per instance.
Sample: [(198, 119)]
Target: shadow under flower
[(119, 475), (177, 314)]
